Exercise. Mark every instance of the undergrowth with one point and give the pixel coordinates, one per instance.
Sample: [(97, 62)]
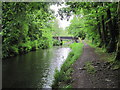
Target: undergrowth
[(63, 77), (108, 57)]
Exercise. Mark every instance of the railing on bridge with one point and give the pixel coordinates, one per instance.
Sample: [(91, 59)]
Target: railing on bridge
[(65, 37), (60, 38)]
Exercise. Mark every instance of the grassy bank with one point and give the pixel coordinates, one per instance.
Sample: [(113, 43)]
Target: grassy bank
[(63, 77)]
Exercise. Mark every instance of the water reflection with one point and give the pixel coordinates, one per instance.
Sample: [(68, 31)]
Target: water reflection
[(35, 69)]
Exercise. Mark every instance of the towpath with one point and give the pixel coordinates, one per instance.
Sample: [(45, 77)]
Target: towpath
[(104, 77)]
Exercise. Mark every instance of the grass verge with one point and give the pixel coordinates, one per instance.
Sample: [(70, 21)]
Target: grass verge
[(62, 78)]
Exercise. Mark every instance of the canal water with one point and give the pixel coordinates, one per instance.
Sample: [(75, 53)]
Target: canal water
[(33, 70)]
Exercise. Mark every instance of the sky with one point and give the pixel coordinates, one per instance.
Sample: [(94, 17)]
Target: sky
[(62, 23)]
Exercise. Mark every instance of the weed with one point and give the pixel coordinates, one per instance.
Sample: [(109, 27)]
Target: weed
[(116, 65), (90, 68)]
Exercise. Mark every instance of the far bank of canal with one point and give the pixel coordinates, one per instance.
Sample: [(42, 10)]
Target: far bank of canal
[(34, 69)]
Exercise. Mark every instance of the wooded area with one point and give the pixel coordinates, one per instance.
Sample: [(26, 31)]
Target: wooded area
[(28, 26), (96, 21)]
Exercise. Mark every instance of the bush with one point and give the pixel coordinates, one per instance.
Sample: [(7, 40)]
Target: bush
[(25, 47), (14, 49), (34, 45), (56, 42)]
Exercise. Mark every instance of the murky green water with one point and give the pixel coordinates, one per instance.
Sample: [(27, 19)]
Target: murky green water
[(34, 69)]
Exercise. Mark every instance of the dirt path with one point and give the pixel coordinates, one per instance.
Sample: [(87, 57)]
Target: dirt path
[(104, 76)]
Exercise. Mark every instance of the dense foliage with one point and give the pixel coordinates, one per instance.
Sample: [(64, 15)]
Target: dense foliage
[(26, 26), (98, 22)]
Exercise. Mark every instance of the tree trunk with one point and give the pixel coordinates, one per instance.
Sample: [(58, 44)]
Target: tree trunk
[(104, 35), (99, 31), (112, 43), (118, 44), (115, 26)]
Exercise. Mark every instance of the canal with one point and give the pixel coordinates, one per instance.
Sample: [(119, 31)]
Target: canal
[(33, 70)]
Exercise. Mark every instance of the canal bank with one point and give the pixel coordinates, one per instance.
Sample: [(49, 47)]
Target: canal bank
[(63, 78)]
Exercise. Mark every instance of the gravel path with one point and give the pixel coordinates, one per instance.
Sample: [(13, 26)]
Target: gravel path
[(104, 76)]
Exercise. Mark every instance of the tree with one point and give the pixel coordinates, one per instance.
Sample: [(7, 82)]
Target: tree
[(118, 43), (26, 26), (100, 23)]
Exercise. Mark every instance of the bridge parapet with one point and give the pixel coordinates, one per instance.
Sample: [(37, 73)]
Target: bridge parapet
[(65, 37)]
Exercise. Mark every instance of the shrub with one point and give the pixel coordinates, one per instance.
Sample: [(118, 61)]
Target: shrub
[(56, 42), (25, 47)]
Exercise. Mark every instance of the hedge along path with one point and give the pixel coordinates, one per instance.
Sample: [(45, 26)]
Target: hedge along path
[(104, 77)]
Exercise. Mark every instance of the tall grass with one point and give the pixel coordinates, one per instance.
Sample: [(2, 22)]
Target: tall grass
[(63, 77)]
